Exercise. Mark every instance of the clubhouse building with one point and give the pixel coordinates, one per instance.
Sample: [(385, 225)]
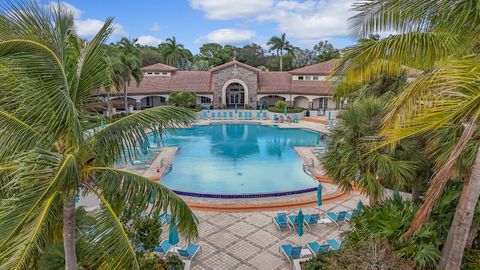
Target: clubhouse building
[(235, 84)]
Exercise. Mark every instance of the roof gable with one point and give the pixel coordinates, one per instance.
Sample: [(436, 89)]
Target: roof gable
[(159, 67), (323, 68), (236, 63)]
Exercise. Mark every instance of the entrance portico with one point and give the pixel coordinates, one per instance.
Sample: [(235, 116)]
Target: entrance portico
[(234, 92)]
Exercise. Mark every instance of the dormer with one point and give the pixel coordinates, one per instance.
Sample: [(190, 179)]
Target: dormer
[(158, 69)]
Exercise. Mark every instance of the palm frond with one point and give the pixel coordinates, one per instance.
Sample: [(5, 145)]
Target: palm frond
[(109, 238), (126, 188), (26, 137), (124, 135)]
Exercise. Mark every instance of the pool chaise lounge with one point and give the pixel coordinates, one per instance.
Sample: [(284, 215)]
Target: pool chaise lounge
[(164, 248), (165, 218), (189, 251), (230, 115), (264, 116), (336, 217), (291, 252), (311, 219), (334, 244), (292, 219), (317, 248), (281, 221)]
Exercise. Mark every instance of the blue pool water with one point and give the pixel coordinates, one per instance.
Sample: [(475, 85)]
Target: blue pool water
[(238, 159)]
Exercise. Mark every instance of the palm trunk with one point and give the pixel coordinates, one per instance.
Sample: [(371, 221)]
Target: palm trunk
[(281, 60), (125, 97), (416, 190), (69, 233), (454, 247)]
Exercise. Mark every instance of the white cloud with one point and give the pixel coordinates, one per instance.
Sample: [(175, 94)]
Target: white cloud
[(156, 27), (232, 36), (66, 6), (90, 27), (228, 9), (149, 40), (308, 21)]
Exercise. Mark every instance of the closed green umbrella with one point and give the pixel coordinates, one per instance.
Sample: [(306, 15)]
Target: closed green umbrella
[(235, 108), (286, 110), (319, 195), (261, 107), (300, 225), (102, 124), (173, 234)]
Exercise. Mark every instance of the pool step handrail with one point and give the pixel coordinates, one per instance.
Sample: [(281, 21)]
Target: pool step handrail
[(308, 166), (165, 166)]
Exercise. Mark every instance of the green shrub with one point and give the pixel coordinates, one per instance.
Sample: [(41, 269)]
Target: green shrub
[(183, 99), (174, 263), (280, 105), (289, 110)]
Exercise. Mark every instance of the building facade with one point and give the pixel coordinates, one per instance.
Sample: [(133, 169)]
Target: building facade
[(235, 84)]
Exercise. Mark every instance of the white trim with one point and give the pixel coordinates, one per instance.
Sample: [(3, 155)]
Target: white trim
[(245, 89)]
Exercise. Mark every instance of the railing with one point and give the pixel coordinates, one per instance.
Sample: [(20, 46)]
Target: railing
[(165, 166), (308, 166)]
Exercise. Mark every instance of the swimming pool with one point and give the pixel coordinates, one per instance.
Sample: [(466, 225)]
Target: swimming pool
[(238, 159)]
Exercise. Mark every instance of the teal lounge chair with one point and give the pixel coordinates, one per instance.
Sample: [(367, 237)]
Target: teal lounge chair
[(311, 219), (291, 252), (250, 115), (334, 244), (281, 221), (190, 251), (240, 115), (163, 248), (165, 218), (224, 115), (336, 217), (204, 115), (219, 115), (275, 118), (230, 115), (265, 116), (258, 115), (213, 116), (292, 219), (349, 216), (295, 118), (316, 248)]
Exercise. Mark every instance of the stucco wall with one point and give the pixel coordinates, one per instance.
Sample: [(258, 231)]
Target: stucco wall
[(220, 77)]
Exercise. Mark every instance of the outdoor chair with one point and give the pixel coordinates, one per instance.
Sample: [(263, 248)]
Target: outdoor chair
[(311, 219), (291, 252), (317, 248), (189, 252), (281, 221), (336, 217), (334, 244), (163, 248)]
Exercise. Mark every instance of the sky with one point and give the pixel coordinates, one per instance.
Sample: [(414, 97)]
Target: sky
[(235, 22)]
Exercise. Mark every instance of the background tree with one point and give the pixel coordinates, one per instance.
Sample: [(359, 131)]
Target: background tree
[(303, 58), (252, 54), (182, 99), (175, 54), (202, 65), (440, 38), (325, 51), (279, 45), (127, 66), (48, 81), (149, 55)]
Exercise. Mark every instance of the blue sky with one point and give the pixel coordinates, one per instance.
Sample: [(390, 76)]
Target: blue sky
[(235, 22)]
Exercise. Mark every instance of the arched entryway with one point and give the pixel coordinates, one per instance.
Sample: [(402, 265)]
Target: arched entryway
[(234, 93), (301, 101)]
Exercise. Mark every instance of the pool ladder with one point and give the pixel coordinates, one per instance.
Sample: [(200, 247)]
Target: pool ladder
[(165, 166), (308, 166)]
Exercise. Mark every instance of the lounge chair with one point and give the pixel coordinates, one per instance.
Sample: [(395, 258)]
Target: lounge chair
[(334, 244), (296, 118), (189, 251), (292, 219), (163, 248), (165, 218), (281, 119), (250, 116), (204, 115), (275, 118), (258, 116), (265, 116), (219, 115), (230, 115), (336, 217), (317, 248), (281, 221), (349, 216), (291, 252), (311, 219), (240, 115), (212, 116), (224, 115)]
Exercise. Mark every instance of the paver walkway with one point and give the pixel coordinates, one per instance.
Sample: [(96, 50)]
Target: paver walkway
[(251, 240)]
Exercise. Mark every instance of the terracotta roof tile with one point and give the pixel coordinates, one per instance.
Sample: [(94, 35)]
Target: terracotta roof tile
[(159, 67), (323, 68), (274, 82), (312, 87), (191, 81), (254, 69)]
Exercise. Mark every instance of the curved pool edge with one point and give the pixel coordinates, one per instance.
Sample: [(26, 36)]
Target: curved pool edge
[(245, 195)]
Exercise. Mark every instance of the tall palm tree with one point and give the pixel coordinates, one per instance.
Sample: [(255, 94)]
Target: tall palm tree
[(48, 78), (279, 45), (127, 66), (173, 53), (441, 39), (351, 160)]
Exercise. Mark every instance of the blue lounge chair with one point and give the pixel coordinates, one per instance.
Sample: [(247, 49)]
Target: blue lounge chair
[(296, 118), (163, 248), (250, 115), (190, 251), (212, 116), (275, 118), (230, 115), (204, 115), (224, 115), (292, 219), (311, 219), (334, 244), (336, 218), (166, 218), (265, 116), (258, 115), (219, 115), (349, 216), (240, 115), (316, 248), (291, 252), (281, 221)]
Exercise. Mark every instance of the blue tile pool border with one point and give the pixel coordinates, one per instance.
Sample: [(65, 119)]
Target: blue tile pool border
[(244, 196)]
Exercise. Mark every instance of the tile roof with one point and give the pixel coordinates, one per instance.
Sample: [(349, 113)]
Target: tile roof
[(159, 67), (254, 69), (323, 68), (185, 81), (274, 82), (312, 87)]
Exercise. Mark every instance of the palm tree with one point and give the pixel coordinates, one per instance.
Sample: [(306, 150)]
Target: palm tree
[(127, 66), (48, 80), (174, 54), (351, 160), (440, 38), (280, 44)]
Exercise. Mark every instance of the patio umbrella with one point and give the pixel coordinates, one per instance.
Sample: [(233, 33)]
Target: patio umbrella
[(261, 107), (286, 110), (102, 124), (319, 195), (300, 225), (173, 234), (235, 108), (329, 115)]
